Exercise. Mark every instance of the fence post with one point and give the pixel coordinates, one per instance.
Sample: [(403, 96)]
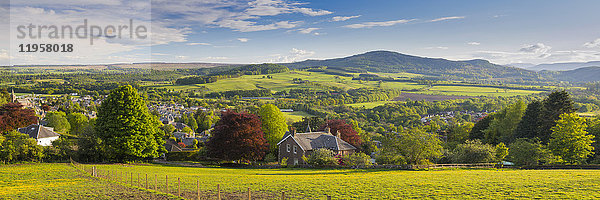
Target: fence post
[(282, 195), (131, 178), (94, 171), (155, 182), (167, 183), (178, 187), (146, 181), (138, 181), (198, 188), (249, 196), (218, 191)]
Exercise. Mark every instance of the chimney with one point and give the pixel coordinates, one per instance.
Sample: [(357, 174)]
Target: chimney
[(337, 133), (293, 132), (327, 130)]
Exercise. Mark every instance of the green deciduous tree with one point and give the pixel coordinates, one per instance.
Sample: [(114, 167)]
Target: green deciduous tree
[(357, 160), (78, 123), (168, 129), (502, 128), (58, 120), (570, 140), (16, 146), (205, 120), (126, 128), (501, 152), (415, 146), (473, 151), (526, 152), (273, 125)]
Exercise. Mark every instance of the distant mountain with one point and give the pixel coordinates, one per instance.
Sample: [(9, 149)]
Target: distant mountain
[(521, 65), (585, 74), (563, 66), (387, 61)]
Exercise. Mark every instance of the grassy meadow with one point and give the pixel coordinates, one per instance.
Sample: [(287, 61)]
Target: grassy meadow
[(62, 181)]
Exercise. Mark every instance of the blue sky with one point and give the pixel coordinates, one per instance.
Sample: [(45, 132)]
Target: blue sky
[(536, 31)]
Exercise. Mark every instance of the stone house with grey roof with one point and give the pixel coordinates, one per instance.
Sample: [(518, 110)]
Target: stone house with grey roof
[(44, 136), (294, 146)]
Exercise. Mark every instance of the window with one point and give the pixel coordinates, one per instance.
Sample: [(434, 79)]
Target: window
[(288, 147), (295, 149), (295, 161)]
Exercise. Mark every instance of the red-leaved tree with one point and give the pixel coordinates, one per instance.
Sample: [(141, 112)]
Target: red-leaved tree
[(237, 136), (13, 116), (346, 132)]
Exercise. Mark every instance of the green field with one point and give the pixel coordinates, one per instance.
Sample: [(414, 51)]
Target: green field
[(62, 181), (296, 115), (477, 91), (283, 81)]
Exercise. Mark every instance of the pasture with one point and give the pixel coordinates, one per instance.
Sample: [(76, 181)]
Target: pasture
[(64, 181)]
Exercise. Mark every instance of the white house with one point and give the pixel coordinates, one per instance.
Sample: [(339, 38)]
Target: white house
[(43, 135)]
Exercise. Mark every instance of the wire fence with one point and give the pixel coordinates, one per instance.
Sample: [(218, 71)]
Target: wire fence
[(182, 187)]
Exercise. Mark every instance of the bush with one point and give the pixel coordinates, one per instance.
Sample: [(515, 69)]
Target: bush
[(61, 150), (389, 158), (270, 157), (196, 155), (16, 146), (473, 151), (525, 152), (357, 160), (321, 157), (283, 162)]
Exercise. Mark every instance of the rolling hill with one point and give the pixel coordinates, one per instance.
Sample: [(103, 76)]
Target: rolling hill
[(563, 66), (387, 61), (585, 74)]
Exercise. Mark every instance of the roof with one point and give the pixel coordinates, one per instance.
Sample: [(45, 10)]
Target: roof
[(38, 131), (171, 146), (179, 125), (317, 140)]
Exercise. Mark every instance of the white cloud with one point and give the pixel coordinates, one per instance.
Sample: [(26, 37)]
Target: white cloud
[(446, 18), (374, 24), (182, 57), (160, 54), (102, 14), (243, 39), (311, 12), (344, 18), (440, 47), (474, 43), (592, 44), (308, 30), (249, 26), (293, 56), (240, 16), (198, 43), (539, 48)]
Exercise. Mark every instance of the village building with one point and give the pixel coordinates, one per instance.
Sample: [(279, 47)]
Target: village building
[(294, 145), (44, 136)]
